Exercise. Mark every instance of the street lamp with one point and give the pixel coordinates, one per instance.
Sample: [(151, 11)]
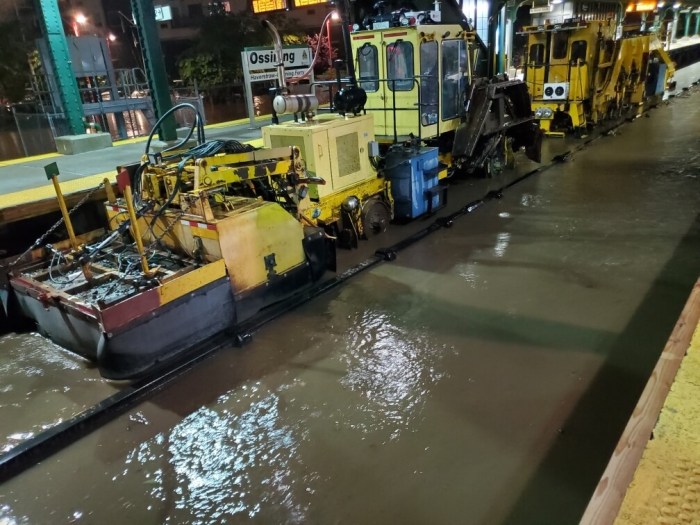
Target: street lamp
[(335, 17)]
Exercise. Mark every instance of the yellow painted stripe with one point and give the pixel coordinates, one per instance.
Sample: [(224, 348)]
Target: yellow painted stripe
[(47, 191), (191, 281), (204, 232), (22, 160), (83, 183)]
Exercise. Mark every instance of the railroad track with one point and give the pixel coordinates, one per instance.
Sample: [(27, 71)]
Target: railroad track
[(45, 444)]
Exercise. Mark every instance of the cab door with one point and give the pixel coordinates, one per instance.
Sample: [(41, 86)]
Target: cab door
[(402, 114), (368, 65), (535, 72)]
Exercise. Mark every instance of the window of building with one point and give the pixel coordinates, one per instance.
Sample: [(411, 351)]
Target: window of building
[(399, 66), (368, 67), (195, 11)]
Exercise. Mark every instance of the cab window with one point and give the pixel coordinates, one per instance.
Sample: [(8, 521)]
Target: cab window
[(368, 67), (560, 44), (429, 82), (578, 51), (454, 66), (399, 60), (537, 54)]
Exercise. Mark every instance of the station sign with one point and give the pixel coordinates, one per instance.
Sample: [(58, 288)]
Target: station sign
[(265, 6), (260, 65), (272, 75), (262, 58), (307, 3)]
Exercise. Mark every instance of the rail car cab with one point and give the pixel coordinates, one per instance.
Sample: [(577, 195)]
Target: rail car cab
[(415, 77), (580, 72)]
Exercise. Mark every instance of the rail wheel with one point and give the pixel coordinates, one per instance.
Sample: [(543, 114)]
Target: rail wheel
[(375, 217)]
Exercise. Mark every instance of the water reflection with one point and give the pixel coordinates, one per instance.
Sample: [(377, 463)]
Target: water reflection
[(7, 517), (392, 366), (224, 462), (502, 241)]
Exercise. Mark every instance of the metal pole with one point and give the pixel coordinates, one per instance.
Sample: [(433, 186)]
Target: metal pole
[(19, 132), (52, 27), (52, 174), (135, 231), (144, 14)]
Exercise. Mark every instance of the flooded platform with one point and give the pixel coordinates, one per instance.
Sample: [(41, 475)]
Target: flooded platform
[(483, 377)]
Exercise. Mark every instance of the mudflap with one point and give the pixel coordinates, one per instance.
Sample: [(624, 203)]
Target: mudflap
[(497, 106), (530, 137)]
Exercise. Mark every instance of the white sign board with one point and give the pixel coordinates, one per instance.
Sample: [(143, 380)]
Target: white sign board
[(543, 9), (163, 13), (272, 75), (266, 58), (260, 65)]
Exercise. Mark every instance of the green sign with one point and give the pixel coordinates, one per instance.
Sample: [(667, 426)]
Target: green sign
[(51, 170)]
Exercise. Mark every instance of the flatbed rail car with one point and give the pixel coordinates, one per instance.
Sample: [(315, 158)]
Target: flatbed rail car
[(176, 261)]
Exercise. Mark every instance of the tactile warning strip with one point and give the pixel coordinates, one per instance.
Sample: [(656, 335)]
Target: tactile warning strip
[(666, 485)]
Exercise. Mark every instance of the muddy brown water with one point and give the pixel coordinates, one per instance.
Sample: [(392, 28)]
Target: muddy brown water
[(483, 377)]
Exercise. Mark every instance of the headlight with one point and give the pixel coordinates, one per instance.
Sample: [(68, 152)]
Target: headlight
[(543, 113), (350, 204)]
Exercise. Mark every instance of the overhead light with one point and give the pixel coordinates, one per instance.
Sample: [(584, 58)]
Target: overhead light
[(335, 16), (112, 37), (660, 4), (80, 18), (677, 5), (555, 2)]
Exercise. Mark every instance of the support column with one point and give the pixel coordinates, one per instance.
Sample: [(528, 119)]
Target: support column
[(145, 17), (502, 39), (688, 16), (52, 28), (494, 8)]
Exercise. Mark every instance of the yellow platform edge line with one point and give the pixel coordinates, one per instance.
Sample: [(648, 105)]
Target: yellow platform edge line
[(47, 191), (38, 193), (133, 140), (12, 162)]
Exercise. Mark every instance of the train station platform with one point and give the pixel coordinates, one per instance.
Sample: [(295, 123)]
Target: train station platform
[(23, 180), (654, 473)]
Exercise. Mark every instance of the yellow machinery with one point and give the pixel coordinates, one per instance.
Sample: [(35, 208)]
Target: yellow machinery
[(419, 73), (200, 241), (581, 72), (353, 200)]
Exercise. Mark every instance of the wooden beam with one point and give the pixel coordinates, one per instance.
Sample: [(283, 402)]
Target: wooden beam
[(605, 504)]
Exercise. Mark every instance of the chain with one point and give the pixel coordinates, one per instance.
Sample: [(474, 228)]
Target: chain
[(169, 227), (53, 228)]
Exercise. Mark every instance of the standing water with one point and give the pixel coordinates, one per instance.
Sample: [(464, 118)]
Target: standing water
[(483, 377)]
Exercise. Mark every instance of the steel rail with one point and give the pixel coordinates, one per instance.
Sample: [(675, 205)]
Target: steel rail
[(43, 445)]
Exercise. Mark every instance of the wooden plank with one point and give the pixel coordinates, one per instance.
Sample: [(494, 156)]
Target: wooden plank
[(607, 498)]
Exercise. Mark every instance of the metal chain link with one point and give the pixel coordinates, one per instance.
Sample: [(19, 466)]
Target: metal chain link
[(169, 226), (53, 228)]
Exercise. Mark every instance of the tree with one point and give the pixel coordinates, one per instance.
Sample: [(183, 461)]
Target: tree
[(14, 70), (326, 55), (216, 57)]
